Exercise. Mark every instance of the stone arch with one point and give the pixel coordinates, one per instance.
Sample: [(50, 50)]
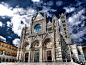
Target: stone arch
[(35, 43), (48, 36), (48, 49), (46, 41), (25, 44)]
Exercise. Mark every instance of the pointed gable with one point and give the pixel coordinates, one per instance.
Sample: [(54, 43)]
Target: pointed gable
[(54, 17), (38, 17), (49, 23)]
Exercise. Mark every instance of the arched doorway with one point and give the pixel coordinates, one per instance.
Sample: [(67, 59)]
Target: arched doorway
[(36, 57), (36, 46), (47, 44), (25, 45), (26, 48)]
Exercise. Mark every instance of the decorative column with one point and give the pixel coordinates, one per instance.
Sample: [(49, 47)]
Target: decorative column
[(53, 54), (24, 57), (40, 60), (29, 57), (44, 55), (32, 56), (40, 55)]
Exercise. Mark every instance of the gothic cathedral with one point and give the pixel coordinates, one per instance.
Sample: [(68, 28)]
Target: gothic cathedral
[(43, 42)]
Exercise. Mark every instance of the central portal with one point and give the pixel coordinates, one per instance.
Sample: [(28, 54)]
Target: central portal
[(36, 57)]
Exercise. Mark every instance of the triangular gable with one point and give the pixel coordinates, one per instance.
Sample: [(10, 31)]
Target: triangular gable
[(49, 23), (37, 38), (48, 36), (54, 17), (38, 17)]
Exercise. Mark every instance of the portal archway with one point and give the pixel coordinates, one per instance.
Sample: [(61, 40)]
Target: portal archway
[(24, 45), (47, 50), (35, 46)]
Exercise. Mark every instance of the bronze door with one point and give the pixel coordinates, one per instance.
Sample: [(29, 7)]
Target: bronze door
[(49, 57)]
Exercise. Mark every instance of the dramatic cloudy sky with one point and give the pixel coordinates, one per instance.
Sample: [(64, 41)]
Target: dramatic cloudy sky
[(14, 14)]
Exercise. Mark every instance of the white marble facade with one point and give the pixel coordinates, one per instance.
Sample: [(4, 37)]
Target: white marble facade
[(43, 42)]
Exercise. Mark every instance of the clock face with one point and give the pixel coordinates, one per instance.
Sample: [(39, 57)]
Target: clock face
[(37, 28)]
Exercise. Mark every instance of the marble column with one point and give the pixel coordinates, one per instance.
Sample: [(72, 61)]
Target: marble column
[(40, 60), (29, 56), (33, 55), (43, 55), (24, 57), (53, 54)]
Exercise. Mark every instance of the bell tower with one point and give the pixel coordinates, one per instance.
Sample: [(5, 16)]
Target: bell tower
[(64, 27)]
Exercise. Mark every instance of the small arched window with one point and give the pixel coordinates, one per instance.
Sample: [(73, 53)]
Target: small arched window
[(2, 45)]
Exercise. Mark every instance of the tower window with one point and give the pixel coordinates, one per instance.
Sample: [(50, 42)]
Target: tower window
[(65, 36), (65, 33), (63, 21), (64, 28), (64, 25)]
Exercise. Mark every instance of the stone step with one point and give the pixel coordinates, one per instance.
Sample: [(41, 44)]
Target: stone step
[(47, 63)]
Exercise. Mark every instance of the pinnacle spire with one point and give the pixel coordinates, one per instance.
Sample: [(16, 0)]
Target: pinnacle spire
[(38, 10), (49, 22), (54, 17)]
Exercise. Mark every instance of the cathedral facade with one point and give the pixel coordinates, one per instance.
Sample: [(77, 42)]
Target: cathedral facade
[(43, 42)]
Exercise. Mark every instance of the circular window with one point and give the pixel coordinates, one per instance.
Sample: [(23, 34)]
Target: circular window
[(37, 28)]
